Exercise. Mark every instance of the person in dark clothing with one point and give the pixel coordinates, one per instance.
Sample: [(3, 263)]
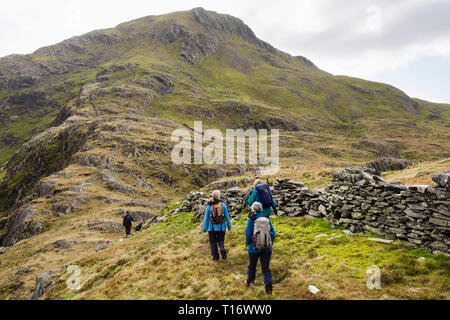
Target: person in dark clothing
[(254, 254), (254, 197), (216, 222), (127, 223)]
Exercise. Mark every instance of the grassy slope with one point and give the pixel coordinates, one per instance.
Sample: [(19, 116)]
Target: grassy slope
[(156, 263), (172, 261)]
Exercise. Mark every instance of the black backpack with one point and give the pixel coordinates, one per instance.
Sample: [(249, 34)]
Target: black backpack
[(264, 195), (127, 220)]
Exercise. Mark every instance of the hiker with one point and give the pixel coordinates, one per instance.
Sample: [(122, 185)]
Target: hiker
[(216, 222), (127, 223), (262, 194), (259, 237)]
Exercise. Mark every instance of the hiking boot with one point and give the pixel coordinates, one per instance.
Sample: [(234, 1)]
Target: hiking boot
[(248, 283), (224, 254), (269, 289)]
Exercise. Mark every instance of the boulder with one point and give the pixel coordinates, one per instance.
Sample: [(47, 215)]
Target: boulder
[(387, 164), (44, 282), (442, 179)]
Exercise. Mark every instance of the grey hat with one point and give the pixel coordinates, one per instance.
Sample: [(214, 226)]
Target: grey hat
[(257, 207)]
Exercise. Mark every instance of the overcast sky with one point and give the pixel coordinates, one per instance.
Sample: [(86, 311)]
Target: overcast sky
[(405, 43)]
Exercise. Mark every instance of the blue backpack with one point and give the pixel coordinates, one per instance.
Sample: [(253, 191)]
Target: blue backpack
[(264, 195)]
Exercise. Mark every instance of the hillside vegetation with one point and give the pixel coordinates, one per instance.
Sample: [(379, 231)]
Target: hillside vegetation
[(85, 135)]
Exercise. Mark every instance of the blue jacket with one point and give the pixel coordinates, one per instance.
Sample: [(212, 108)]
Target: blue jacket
[(267, 211), (249, 233), (208, 226)]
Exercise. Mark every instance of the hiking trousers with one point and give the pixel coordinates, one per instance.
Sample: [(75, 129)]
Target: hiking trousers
[(128, 230), (216, 238), (265, 268)]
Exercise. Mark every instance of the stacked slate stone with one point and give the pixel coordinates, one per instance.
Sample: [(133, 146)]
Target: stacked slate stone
[(294, 199), (419, 215), (234, 198)]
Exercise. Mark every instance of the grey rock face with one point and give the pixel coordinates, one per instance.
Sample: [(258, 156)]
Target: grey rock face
[(20, 226), (44, 188), (386, 164), (105, 226), (44, 283), (113, 183), (443, 179), (63, 244), (164, 177), (143, 185)]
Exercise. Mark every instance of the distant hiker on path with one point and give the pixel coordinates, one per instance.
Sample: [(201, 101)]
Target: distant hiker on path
[(127, 223), (259, 237), (262, 194), (216, 222)]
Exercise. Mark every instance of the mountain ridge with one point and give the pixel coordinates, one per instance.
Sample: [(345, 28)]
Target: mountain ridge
[(86, 126)]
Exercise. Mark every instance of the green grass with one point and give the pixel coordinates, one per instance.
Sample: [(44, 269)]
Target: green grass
[(171, 260)]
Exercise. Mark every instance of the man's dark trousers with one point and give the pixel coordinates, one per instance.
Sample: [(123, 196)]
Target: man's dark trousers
[(265, 262)]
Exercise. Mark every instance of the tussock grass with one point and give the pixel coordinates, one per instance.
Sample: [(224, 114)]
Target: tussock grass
[(171, 260)]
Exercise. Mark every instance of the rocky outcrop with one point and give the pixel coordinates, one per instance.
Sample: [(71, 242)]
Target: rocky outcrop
[(93, 160), (164, 177), (443, 179), (63, 244), (275, 123), (20, 226), (21, 82), (196, 47), (67, 206), (46, 153), (228, 25), (114, 184), (104, 226), (384, 149), (306, 61), (44, 282), (386, 164), (105, 74)]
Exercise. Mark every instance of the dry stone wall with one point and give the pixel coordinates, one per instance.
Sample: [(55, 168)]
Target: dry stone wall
[(359, 200)]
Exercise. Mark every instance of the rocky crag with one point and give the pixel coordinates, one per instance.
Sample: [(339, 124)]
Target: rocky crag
[(359, 200)]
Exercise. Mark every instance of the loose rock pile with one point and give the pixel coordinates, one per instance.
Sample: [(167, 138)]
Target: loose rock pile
[(359, 200)]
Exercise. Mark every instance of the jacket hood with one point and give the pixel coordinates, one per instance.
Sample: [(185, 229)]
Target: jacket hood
[(214, 201)]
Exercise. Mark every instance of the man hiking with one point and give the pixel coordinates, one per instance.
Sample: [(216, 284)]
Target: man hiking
[(216, 222), (127, 223), (262, 194), (259, 237)]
